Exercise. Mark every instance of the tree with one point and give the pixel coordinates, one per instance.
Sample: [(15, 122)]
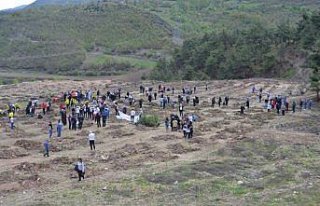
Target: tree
[(315, 77)]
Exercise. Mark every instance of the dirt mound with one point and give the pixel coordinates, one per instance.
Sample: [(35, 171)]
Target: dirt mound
[(19, 133), (63, 160), (28, 144), (180, 148), (134, 155), (21, 178), (198, 140), (12, 153), (120, 133), (165, 137), (32, 167)]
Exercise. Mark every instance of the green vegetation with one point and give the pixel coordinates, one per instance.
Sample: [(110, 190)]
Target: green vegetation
[(150, 120), (254, 52), (113, 65), (248, 172), (192, 18), (309, 39), (57, 40)]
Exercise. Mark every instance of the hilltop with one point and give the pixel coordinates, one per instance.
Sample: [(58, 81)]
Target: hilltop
[(60, 2)]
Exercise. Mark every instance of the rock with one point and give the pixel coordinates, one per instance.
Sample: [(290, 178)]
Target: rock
[(176, 182), (240, 182)]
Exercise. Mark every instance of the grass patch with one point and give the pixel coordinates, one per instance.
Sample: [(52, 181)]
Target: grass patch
[(150, 120)]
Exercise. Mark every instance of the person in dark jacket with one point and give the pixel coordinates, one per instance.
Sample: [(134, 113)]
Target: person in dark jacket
[(80, 168)]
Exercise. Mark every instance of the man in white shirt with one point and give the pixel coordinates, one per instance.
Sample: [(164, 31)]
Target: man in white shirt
[(92, 138), (132, 115)]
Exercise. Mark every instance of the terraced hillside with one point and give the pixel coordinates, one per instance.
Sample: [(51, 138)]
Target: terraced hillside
[(258, 158)]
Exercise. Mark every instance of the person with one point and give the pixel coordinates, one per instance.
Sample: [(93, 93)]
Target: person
[(248, 103), (219, 101), (283, 109), (59, 128), (309, 104), (140, 103), (46, 148), (98, 119), (80, 168), (149, 97), (194, 102), (213, 101), (43, 106), (132, 114), (11, 123), (242, 108), (50, 128), (260, 97), (226, 100), (190, 127), (92, 138), (155, 96), (301, 104), (181, 110), (269, 107), (73, 122), (80, 120), (186, 131), (69, 121), (166, 124), (105, 114), (294, 104), (278, 107)]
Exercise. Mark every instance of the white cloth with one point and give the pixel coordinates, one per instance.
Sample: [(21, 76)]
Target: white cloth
[(92, 136), (126, 117)]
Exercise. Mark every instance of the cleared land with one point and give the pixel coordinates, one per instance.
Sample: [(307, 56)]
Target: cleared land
[(255, 159)]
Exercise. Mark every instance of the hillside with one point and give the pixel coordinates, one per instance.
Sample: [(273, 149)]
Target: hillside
[(253, 52), (259, 158), (71, 37), (196, 17), (59, 2), (57, 40)]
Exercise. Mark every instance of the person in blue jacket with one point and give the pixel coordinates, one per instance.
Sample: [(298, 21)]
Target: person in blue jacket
[(59, 128), (105, 116)]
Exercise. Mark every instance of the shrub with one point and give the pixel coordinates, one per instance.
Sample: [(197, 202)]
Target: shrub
[(149, 120)]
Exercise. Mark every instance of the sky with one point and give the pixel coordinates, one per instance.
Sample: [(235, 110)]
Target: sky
[(8, 4)]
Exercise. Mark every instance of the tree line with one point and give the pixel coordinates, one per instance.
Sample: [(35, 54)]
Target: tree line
[(244, 53)]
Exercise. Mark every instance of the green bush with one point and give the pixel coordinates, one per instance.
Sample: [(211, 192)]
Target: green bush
[(149, 120)]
